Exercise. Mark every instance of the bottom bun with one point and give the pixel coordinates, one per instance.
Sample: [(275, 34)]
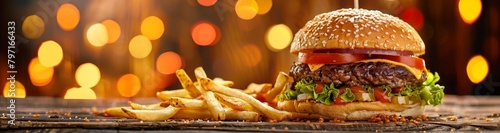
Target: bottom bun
[(352, 111)]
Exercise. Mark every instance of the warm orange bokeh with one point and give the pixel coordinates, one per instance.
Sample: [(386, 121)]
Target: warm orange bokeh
[(128, 85), (207, 2), (168, 63), (205, 33), (39, 74), (114, 30), (68, 16)]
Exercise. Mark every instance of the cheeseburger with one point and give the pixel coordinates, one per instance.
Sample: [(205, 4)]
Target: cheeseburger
[(355, 63)]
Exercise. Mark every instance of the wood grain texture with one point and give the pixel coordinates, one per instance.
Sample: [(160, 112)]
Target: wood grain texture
[(57, 115)]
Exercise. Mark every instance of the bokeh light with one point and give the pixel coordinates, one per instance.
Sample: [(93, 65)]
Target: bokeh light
[(80, 93), (251, 55), (40, 75), (140, 46), (128, 85), (68, 16), (264, 6), (50, 53), (278, 37), (87, 75), (205, 33), (168, 63), (477, 69), (246, 9), (33, 27), (207, 2), (97, 35), (113, 30), (152, 27), (469, 10), (18, 92), (414, 17)]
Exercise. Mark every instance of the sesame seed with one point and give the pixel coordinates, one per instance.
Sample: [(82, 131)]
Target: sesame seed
[(348, 30), (341, 41), (346, 42), (348, 34), (343, 30), (394, 31), (356, 36), (362, 35), (336, 26), (387, 33), (378, 37), (369, 33)]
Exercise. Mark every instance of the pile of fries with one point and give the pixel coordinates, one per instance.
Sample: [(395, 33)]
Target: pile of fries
[(210, 99)]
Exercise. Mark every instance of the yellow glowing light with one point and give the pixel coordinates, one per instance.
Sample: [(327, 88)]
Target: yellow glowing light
[(264, 6), (128, 85), (252, 55), (152, 27), (205, 34), (39, 75), (97, 35), (68, 17), (14, 89), (168, 63), (278, 37), (140, 46), (80, 93), (33, 27), (477, 69), (207, 2), (469, 10), (113, 29), (87, 75), (50, 53), (246, 9)]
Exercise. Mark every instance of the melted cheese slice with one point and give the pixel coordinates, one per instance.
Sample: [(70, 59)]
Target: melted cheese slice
[(417, 73), (315, 67)]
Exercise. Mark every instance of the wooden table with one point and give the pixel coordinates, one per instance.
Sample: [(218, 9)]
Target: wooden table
[(47, 114)]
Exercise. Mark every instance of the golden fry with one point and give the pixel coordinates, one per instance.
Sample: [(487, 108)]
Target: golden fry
[(214, 106), (267, 110), (115, 112), (165, 95), (234, 103), (187, 83), (281, 81), (204, 114), (254, 88), (223, 82), (137, 106), (152, 115), (187, 103)]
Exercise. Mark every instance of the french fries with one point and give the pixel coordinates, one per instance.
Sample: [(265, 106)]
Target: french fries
[(267, 110), (223, 82), (116, 112), (187, 83), (234, 103), (254, 88), (145, 107), (230, 114), (281, 81), (187, 103), (152, 115), (165, 95), (211, 99), (214, 106)]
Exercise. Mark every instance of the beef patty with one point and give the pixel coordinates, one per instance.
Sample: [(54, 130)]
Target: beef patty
[(358, 74)]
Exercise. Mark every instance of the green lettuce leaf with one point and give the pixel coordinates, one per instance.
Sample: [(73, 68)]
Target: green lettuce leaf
[(431, 92), (348, 96), (328, 94)]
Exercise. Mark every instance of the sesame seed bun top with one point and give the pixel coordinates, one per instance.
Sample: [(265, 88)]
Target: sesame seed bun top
[(357, 29)]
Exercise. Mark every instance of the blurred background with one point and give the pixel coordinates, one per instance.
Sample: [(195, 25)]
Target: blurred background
[(131, 48)]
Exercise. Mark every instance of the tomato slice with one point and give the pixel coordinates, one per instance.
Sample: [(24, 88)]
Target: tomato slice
[(414, 62), (380, 95), (319, 87), (354, 89), (330, 58)]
